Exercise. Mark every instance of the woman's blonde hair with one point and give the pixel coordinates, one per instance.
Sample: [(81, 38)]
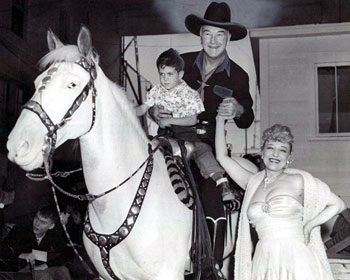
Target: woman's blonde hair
[(280, 133)]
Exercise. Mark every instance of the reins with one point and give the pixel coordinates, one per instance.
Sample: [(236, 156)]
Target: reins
[(61, 174), (91, 197)]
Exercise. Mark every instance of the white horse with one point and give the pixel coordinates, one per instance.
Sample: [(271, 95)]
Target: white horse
[(113, 146)]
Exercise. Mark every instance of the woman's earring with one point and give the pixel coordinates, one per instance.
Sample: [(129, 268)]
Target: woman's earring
[(289, 161)]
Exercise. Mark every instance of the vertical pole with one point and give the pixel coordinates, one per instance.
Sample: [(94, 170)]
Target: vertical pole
[(139, 88), (121, 65)]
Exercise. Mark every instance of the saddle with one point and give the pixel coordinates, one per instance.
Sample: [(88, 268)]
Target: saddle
[(173, 146), (172, 152)]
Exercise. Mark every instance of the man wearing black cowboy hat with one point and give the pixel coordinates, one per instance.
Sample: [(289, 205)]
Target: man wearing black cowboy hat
[(224, 88)]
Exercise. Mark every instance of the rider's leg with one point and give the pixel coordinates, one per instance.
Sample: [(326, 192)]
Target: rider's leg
[(217, 234), (209, 167), (215, 217)]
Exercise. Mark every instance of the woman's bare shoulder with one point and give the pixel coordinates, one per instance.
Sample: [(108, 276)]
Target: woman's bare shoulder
[(297, 180)]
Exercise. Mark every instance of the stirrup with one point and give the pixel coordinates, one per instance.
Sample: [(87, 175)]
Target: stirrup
[(230, 197), (226, 193), (219, 274)]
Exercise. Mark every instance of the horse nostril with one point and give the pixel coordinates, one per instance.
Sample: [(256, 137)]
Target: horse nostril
[(22, 149)]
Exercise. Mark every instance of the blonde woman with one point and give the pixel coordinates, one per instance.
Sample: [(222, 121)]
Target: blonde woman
[(285, 206)]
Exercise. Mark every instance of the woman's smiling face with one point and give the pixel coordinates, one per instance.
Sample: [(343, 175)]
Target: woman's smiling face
[(276, 154)]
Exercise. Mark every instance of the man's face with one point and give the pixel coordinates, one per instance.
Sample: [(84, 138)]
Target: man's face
[(169, 77), (41, 224), (214, 40)]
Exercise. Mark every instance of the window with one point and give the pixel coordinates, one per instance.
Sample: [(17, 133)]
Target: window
[(333, 100)]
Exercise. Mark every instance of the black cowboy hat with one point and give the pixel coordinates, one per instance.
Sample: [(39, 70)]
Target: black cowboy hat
[(219, 15)]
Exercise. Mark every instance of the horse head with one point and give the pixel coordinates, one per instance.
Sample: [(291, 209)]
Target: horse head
[(62, 106)]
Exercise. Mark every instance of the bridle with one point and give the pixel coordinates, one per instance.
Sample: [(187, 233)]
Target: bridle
[(51, 136), (35, 107), (50, 139)]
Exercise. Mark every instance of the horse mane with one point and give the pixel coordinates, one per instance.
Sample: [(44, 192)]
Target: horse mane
[(67, 53), (126, 108)]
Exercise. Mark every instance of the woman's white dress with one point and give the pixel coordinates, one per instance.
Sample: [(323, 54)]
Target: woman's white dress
[(281, 253)]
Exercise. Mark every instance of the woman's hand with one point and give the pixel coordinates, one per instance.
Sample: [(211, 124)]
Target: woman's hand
[(307, 233), (230, 108), (221, 118)]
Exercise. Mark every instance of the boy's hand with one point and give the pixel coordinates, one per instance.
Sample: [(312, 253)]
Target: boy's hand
[(158, 112), (164, 122)]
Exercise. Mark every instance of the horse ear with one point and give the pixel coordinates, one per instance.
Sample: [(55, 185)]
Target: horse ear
[(53, 41), (84, 41)]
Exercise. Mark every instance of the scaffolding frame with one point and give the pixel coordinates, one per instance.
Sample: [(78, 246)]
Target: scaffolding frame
[(125, 78)]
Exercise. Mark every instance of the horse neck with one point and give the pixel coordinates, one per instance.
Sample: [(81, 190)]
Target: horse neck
[(116, 145)]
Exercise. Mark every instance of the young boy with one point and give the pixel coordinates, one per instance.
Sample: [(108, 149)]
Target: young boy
[(183, 104)]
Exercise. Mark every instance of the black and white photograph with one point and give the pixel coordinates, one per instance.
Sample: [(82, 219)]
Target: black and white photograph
[(174, 140)]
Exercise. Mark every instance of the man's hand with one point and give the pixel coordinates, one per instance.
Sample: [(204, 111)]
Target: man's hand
[(158, 112), (29, 257), (230, 108)]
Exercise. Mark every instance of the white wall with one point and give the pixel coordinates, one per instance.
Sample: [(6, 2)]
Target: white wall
[(150, 47), (288, 56)]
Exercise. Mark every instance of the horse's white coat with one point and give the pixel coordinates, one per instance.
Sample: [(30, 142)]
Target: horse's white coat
[(158, 246)]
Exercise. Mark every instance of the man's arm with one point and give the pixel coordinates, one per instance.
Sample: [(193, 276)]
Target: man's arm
[(243, 97), (245, 119)]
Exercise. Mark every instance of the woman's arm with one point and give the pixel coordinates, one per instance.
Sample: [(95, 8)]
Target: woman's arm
[(239, 169), (334, 206)]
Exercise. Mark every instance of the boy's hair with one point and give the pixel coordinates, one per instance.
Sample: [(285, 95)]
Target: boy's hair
[(49, 212), (170, 58)]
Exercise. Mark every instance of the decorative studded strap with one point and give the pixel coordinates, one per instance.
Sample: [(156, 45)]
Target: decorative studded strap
[(51, 137), (106, 242)]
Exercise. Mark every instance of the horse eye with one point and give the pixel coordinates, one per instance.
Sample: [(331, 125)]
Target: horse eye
[(72, 85)]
